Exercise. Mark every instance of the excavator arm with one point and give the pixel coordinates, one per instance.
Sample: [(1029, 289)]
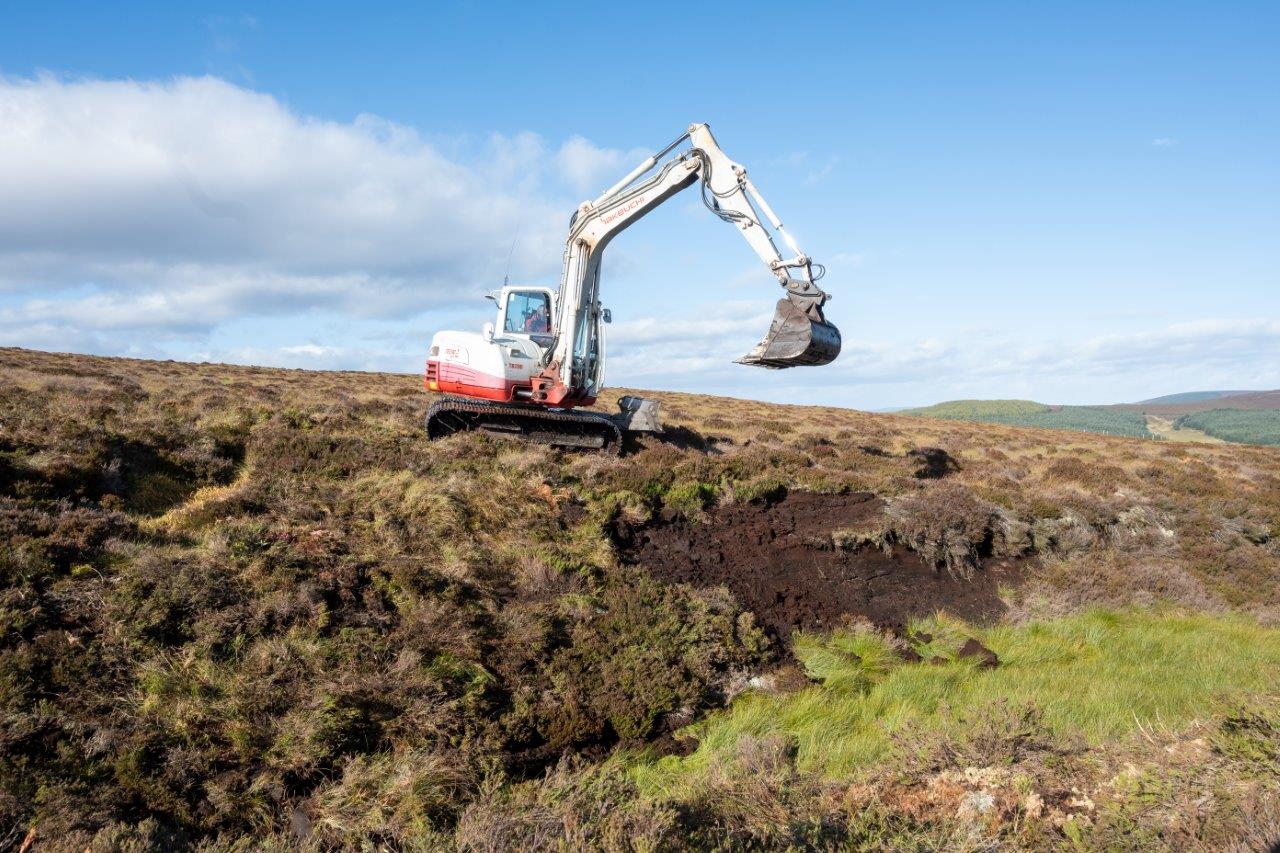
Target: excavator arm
[(799, 335)]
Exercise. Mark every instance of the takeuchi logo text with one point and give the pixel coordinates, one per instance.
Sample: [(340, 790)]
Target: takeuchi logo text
[(622, 211)]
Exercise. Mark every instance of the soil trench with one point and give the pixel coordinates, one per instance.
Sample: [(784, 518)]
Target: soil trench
[(778, 560)]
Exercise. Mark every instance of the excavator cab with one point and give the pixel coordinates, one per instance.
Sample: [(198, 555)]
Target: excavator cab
[(526, 311), (799, 335)]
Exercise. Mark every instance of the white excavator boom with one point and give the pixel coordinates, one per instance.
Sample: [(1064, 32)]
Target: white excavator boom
[(799, 334)]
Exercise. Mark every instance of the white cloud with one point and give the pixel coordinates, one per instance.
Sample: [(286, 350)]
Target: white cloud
[(1211, 348), (1164, 142), (820, 174), (174, 206), (702, 349), (1211, 342), (312, 350), (303, 356), (591, 170), (1207, 353), (706, 330)]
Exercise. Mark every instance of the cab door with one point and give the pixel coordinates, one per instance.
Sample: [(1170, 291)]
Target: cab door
[(526, 312)]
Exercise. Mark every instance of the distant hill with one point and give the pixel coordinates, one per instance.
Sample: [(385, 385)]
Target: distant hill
[(1192, 397), (1107, 420), (968, 410), (1248, 417), (1175, 405)]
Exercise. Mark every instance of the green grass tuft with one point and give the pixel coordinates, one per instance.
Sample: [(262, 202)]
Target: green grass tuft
[(1097, 676)]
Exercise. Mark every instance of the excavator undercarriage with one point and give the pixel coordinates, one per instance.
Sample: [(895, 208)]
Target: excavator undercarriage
[(566, 428)]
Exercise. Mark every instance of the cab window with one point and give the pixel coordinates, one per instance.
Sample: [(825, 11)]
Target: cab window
[(528, 313)]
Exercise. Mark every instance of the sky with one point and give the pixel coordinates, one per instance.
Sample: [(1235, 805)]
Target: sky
[(1068, 202)]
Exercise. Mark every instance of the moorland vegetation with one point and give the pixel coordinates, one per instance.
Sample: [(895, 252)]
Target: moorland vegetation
[(1106, 420), (250, 608)]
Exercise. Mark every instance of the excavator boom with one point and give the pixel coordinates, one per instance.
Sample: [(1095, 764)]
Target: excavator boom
[(799, 334)]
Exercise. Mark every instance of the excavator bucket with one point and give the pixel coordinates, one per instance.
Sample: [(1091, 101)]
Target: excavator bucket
[(796, 338)]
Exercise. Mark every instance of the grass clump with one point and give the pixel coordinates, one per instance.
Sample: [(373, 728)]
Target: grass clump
[(1096, 676), (951, 527)]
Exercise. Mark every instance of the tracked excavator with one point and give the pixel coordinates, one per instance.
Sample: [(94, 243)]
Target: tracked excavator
[(533, 371)]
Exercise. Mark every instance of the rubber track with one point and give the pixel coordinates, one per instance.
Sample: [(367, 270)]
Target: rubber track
[(530, 418)]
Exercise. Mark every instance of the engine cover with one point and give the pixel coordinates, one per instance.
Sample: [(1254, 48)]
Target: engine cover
[(473, 365)]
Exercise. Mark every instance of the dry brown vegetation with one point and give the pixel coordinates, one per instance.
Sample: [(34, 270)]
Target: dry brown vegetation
[(1257, 400), (249, 606)]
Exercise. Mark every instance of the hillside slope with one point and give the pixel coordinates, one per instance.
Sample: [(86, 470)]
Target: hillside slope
[(1260, 400), (1105, 420), (246, 607), (1191, 397)]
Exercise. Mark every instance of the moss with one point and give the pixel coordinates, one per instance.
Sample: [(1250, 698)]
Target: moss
[(689, 499)]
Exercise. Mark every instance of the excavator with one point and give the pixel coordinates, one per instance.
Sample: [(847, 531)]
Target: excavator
[(533, 371)]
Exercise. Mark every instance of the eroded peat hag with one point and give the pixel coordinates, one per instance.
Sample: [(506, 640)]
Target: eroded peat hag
[(806, 560)]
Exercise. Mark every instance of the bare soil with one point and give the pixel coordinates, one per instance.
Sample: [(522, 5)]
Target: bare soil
[(778, 560)]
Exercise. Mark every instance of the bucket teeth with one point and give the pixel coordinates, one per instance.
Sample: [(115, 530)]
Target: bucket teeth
[(795, 339)]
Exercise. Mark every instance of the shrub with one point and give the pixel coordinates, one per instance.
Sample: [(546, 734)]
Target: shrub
[(950, 527), (648, 653)]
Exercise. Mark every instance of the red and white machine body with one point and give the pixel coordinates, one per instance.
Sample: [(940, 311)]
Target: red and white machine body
[(500, 362)]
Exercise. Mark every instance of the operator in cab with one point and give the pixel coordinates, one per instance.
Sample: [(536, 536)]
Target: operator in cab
[(537, 322)]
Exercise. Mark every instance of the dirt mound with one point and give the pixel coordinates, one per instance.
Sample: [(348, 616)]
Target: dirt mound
[(779, 560)]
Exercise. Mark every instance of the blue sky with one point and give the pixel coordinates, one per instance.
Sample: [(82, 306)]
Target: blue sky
[(1071, 202)]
